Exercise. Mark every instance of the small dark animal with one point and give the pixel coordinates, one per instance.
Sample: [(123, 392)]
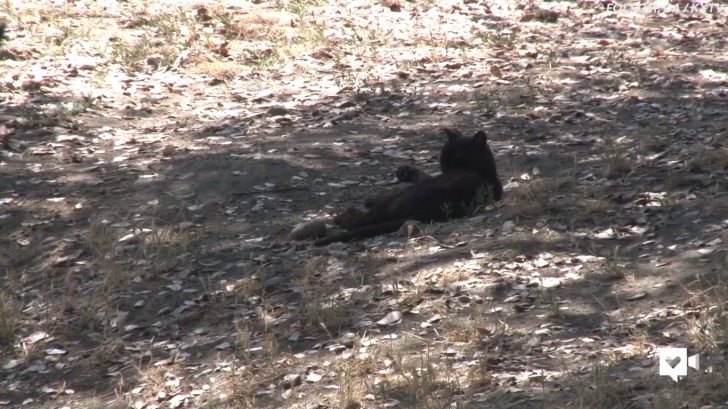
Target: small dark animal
[(469, 177), (3, 27)]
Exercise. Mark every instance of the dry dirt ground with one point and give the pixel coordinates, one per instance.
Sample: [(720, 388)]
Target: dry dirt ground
[(156, 156)]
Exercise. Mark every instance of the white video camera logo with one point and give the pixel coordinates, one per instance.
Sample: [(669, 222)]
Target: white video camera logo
[(674, 362)]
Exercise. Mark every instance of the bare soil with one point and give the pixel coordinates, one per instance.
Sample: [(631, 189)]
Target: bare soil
[(157, 155)]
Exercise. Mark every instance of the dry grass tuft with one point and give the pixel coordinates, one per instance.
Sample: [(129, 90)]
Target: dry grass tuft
[(424, 381), (617, 165), (712, 160), (109, 352), (538, 197), (707, 328), (9, 318), (220, 70)]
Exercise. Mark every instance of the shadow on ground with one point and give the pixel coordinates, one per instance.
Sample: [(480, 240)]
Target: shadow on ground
[(91, 229)]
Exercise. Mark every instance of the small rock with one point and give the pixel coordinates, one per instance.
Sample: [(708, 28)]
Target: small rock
[(508, 226), (636, 297), (294, 297), (414, 229), (308, 230), (550, 282), (393, 318), (291, 380), (348, 339), (313, 377), (277, 111), (477, 219), (185, 226), (223, 346), (277, 18)]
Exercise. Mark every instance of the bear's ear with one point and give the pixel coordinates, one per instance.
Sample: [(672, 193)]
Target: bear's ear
[(452, 133), (480, 138)]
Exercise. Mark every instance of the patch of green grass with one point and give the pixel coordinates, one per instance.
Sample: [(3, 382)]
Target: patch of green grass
[(267, 60), (483, 198), (489, 100), (168, 25), (499, 38), (99, 75), (129, 53), (298, 7), (63, 32), (313, 34)]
